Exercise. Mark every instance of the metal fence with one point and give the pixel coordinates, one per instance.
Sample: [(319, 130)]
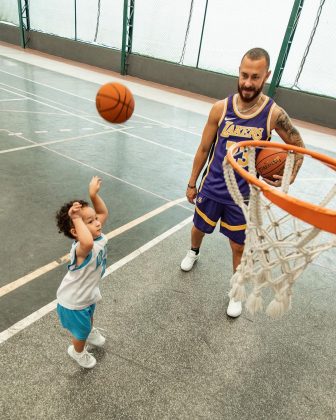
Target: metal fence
[(208, 34)]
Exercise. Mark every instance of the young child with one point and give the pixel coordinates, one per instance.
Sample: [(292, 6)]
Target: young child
[(79, 292)]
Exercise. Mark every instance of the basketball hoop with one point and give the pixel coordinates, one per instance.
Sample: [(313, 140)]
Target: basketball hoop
[(284, 234)]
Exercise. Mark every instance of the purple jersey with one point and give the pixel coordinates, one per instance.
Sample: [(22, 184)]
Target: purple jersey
[(234, 127)]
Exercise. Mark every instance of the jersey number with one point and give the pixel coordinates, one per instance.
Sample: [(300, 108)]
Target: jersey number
[(243, 160)]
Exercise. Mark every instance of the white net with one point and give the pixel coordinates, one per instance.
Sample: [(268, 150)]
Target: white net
[(278, 246)]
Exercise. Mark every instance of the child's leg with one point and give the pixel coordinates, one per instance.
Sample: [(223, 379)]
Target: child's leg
[(78, 323), (95, 338), (78, 344)]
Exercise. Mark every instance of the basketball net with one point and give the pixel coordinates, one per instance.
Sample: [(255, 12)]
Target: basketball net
[(278, 245)]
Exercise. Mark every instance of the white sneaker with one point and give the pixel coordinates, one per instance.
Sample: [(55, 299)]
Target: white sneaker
[(95, 338), (235, 308), (189, 260), (84, 359)]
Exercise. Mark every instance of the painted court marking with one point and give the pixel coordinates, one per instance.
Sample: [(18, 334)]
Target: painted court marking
[(47, 143), (79, 97), (103, 124), (30, 319), (62, 260), (50, 106), (101, 172)]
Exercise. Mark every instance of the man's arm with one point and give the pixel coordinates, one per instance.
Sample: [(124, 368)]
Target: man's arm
[(284, 127), (97, 201), (209, 133)]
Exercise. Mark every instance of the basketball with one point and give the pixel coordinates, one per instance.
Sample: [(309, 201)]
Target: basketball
[(271, 162), (115, 103)]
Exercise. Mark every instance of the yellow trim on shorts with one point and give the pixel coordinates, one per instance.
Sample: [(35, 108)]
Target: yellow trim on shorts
[(232, 228), (205, 217)]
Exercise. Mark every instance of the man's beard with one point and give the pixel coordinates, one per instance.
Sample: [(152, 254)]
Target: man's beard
[(256, 93)]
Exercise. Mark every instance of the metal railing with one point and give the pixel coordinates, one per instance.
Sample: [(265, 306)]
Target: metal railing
[(200, 36)]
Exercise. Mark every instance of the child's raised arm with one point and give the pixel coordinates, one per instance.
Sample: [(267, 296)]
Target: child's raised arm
[(97, 201), (83, 235)]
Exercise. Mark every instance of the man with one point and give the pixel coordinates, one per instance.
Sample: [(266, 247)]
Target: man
[(247, 115)]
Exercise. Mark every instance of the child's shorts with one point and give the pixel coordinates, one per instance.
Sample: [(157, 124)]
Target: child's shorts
[(232, 223), (77, 322)]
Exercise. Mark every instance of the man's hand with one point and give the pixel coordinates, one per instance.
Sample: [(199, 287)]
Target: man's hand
[(275, 182), (75, 211), (94, 186), (191, 194), (277, 179)]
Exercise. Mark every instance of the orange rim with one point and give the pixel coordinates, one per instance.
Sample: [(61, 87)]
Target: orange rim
[(315, 215)]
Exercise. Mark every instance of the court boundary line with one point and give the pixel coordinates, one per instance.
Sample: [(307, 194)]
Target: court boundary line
[(47, 143), (49, 105), (10, 287), (96, 75), (40, 313), (99, 170), (111, 130), (85, 99), (88, 119), (197, 103)]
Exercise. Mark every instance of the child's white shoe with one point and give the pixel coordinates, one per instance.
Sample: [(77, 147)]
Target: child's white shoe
[(95, 338), (84, 359)]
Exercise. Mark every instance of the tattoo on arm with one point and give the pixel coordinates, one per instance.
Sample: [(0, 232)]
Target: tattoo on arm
[(284, 123)]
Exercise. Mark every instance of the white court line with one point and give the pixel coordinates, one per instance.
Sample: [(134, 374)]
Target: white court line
[(47, 143), (62, 260), (34, 112), (111, 130), (96, 122), (156, 93), (313, 179), (94, 75), (30, 319), (109, 175), (41, 97), (86, 99), (43, 84), (169, 125), (310, 136), (105, 173), (52, 106), (159, 144), (10, 100)]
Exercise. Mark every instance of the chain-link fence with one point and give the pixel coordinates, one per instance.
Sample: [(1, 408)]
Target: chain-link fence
[(208, 34), (312, 60), (9, 12)]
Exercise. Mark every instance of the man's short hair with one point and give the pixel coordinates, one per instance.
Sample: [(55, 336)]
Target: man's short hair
[(257, 54)]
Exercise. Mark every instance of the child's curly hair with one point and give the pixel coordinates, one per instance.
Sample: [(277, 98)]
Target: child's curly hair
[(63, 219)]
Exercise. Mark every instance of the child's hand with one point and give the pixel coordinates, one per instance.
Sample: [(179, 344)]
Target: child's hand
[(94, 186), (75, 211)]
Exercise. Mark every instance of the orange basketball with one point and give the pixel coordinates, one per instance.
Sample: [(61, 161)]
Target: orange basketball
[(115, 102), (271, 161)]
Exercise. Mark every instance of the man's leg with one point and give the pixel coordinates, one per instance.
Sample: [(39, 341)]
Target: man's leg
[(237, 252), (233, 226), (207, 213), (196, 238), (235, 306), (193, 253)]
